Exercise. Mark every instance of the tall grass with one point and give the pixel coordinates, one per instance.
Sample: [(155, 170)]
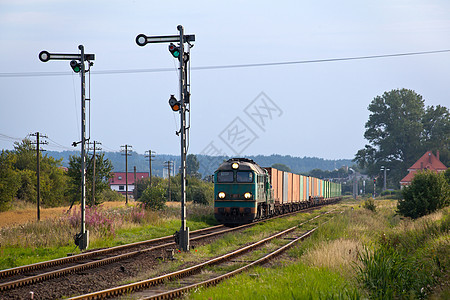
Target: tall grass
[(389, 274), (53, 238), (409, 259), (339, 256)]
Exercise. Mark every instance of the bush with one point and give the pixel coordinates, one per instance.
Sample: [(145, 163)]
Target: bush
[(154, 197), (428, 192), (370, 205), (109, 195)]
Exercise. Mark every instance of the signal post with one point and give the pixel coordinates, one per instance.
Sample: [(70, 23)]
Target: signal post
[(182, 106), (77, 63)]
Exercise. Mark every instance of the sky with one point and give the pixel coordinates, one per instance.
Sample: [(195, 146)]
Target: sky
[(307, 108)]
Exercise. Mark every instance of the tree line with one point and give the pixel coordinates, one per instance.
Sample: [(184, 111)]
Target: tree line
[(58, 186), (62, 186)]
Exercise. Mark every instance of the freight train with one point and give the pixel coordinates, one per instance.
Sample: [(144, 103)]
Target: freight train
[(245, 192)]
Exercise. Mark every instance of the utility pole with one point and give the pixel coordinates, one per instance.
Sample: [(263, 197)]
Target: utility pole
[(169, 168), (125, 149), (77, 63), (182, 106), (354, 183), (374, 186), (150, 156), (38, 169), (94, 157), (134, 190), (384, 177)]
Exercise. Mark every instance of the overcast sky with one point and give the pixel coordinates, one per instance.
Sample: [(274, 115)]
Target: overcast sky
[(305, 109)]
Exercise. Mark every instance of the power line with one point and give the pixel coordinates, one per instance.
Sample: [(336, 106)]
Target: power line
[(218, 67), (58, 145)]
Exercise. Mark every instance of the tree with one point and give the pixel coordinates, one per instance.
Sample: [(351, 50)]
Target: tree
[(26, 155), (199, 191), (399, 131), (281, 167), (428, 192), (103, 172), (192, 166), (52, 177), (436, 133), (9, 179)]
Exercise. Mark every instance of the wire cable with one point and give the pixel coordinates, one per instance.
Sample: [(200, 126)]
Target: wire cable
[(218, 67)]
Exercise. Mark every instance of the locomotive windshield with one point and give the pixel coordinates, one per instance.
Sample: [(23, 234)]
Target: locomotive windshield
[(225, 176), (244, 176)]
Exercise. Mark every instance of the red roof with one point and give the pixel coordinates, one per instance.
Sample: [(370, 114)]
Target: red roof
[(119, 177), (428, 161)]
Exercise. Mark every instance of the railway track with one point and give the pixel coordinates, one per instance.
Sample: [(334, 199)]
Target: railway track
[(164, 287), (25, 277), (8, 273)]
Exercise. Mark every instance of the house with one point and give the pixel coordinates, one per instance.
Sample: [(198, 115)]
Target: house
[(428, 161), (118, 181)]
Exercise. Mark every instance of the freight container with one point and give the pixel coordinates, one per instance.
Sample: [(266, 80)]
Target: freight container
[(280, 186), (320, 187), (295, 188), (308, 187), (290, 197), (285, 187), (302, 188)]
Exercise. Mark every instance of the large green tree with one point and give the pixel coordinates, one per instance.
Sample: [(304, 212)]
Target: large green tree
[(53, 179), (9, 179), (192, 165), (399, 131), (103, 171)]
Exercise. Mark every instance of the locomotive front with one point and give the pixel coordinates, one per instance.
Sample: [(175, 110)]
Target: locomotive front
[(236, 192)]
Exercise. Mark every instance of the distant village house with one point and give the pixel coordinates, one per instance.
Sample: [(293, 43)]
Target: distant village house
[(428, 161), (118, 181)]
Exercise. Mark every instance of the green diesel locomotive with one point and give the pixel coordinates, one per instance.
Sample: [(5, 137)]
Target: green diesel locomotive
[(244, 192)]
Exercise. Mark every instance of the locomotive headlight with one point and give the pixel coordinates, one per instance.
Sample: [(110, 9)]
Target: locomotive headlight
[(221, 195), (247, 195), (235, 165)]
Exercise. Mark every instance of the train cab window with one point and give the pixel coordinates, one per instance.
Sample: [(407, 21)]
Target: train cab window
[(244, 176), (225, 176)]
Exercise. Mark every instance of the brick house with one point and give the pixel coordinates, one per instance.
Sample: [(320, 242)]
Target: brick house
[(428, 161), (118, 181)]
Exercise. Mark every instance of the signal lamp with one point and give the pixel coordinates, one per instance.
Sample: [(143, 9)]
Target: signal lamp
[(221, 195), (247, 195), (235, 165), (174, 103), (76, 66), (174, 50)]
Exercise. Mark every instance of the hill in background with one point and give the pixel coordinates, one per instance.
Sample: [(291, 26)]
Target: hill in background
[(208, 164)]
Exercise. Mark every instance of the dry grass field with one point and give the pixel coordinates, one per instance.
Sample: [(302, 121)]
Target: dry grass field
[(27, 213), (24, 213)]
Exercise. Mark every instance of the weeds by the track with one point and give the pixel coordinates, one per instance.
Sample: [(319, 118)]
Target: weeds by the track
[(53, 238), (361, 253)]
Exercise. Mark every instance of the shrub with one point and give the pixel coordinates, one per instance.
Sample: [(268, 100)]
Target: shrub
[(109, 195), (197, 195), (370, 205), (154, 197), (428, 192)]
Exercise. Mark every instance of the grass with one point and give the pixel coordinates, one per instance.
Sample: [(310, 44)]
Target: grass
[(361, 253), (53, 238), (297, 281)]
